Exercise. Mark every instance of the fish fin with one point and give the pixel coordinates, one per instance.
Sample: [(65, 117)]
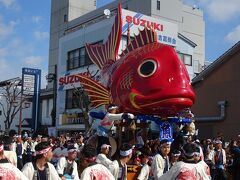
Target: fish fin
[(144, 37), (101, 54), (98, 94)]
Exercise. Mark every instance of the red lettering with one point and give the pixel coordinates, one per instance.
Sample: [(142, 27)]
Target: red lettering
[(70, 79), (149, 24), (76, 79), (157, 26), (67, 80), (143, 22), (136, 21), (129, 19), (62, 81)]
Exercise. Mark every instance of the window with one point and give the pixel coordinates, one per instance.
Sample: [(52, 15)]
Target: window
[(72, 98), (73, 59), (47, 108), (65, 18), (158, 4), (188, 59), (180, 55), (185, 58), (82, 56), (79, 58), (76, 98)]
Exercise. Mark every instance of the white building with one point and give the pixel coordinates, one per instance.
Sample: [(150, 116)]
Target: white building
[(179, 25)]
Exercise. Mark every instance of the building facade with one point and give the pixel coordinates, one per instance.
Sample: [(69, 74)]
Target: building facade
[(217, 96), (183, 29)]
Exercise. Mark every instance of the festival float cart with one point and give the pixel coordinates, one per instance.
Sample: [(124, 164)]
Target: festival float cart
[(147, 79)]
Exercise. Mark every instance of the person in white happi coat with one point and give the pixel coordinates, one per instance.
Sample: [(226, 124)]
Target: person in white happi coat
[(119, 167), (160, 164), (145, 172), (66, 166), (79, 142), (102, 157), (107, 122), (191, 168), (8, 150), (40, 168), (7, 170), (174, 157), (93, 171), (219, 162)]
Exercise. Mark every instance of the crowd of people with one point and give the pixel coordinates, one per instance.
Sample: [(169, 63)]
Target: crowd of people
[(78, 156), (70, 157)]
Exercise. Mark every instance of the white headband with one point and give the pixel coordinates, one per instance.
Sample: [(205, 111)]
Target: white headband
[(166, 143), (1, 148), (72, 150), (126, 153), (43, 151), (191, 154), (112, 107), (178, 154)]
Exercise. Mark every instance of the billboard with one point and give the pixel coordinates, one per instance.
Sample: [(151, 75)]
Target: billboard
[(28, 84), (167, 32), (31, 84)]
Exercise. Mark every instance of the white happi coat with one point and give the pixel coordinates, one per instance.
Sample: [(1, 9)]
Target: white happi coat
[(144, 173), (102, 159), (9, 172), (97, 171), (224, 157), (187, 171), (28, 171), (11, 156), (62, 163), (107, 122), (115, 170), (158, 166)]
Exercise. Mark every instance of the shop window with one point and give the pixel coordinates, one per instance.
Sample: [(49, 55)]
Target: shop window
[(76, 99), (72, 98), (158, 5)]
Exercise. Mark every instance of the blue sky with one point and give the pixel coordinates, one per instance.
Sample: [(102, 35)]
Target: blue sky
[(24, 32)]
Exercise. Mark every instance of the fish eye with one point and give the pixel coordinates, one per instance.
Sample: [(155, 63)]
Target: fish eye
[(147, 68)]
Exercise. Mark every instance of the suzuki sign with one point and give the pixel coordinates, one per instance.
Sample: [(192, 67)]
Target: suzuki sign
[(167, 32)]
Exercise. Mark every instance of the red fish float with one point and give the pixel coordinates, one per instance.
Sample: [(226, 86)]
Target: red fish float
[(147, 78)]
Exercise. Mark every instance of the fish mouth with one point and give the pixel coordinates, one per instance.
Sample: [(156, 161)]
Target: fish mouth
[(145, 102)]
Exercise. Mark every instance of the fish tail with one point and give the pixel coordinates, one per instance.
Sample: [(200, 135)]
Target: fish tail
[(101, 54), (98, 94)]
